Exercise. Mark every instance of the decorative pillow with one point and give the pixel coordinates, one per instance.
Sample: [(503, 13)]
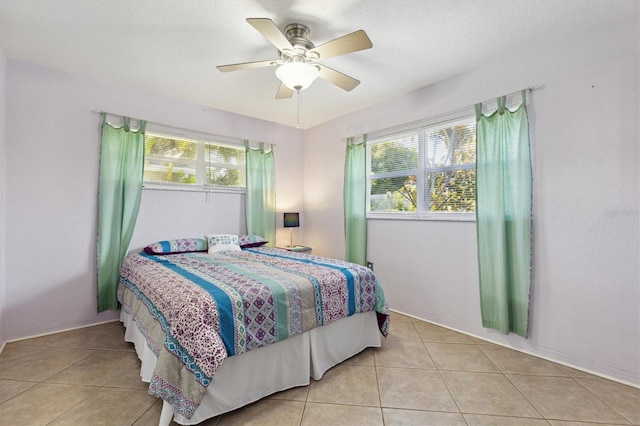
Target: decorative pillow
[(184, 245), (248, 241), (222, 242)]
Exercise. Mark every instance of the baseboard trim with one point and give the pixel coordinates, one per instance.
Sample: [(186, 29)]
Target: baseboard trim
[(546, 358), (56, 332)]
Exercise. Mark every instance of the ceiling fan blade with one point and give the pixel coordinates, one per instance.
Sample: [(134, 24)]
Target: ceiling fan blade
[(271, 32), (353, 42), (284, 92), (246, 66), (336, 77)]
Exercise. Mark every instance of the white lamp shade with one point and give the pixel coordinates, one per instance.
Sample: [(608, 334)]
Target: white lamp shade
[(297, 75)]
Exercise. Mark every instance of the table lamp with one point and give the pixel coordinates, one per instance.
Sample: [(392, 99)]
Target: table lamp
[(291, 220)]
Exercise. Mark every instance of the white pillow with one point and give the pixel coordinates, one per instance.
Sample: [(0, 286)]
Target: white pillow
[(222, 242)]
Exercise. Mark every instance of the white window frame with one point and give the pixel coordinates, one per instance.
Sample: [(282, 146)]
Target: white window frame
[(201, 165), (421, 128)]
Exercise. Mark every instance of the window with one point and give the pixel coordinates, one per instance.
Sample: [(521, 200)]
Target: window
[(181, 163), (427, 172)]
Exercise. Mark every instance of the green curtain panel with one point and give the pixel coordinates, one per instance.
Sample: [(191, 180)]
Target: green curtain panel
[(503, 213), (260, 201), (355, 201), (121, 174)]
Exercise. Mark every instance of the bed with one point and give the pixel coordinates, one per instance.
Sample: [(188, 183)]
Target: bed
[(224, 322)]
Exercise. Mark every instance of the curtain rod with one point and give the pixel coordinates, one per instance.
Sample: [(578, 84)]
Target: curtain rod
[(183, 129), (99, 111), (441, 117)]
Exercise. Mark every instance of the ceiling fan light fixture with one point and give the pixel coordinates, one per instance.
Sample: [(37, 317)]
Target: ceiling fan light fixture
[(297, 75)]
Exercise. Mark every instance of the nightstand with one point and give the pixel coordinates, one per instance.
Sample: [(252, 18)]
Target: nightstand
[(298, 249)]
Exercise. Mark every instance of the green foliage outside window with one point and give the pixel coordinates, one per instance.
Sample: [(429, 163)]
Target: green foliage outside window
[(453, 191), (448, 174), (181, 161), (220, 175), (169, 160)]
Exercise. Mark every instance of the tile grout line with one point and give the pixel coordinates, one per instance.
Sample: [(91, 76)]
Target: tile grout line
[(499, 371), (575, 379), (375, 367), (96, 388), (525, 396)]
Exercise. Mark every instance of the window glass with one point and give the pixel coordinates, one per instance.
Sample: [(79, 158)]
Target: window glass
[(169, 160), (450, 183), (397, 154), (451, 145), (396, 194), (425, 171), (183, 163), (393, 165), (225, 165), (453, 191)]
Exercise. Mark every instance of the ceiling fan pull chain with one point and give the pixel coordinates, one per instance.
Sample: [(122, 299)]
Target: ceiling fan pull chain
[(298, 120)]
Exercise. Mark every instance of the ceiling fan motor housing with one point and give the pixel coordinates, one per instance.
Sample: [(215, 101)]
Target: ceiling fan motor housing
[(298, 36)]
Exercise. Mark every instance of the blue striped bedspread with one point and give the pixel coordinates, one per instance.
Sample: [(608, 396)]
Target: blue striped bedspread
[(207, 307)]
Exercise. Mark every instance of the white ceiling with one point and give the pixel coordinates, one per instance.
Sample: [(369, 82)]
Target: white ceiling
[(172, 47)]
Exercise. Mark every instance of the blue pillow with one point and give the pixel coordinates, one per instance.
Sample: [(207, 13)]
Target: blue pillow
[(248, 241), (183, 245)]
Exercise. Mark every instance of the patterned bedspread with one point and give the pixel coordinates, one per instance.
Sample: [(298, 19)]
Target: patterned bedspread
[(196, 309)]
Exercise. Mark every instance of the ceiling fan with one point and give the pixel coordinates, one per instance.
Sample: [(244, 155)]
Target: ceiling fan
[(298, 59)]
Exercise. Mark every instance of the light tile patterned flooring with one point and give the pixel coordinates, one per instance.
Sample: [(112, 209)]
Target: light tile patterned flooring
[(422, 375)]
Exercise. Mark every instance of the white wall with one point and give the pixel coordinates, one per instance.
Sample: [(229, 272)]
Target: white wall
[(52, 154), (3, 77), (585, 299)]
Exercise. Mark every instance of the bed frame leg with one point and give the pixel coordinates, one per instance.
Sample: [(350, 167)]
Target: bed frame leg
[(166, 415)]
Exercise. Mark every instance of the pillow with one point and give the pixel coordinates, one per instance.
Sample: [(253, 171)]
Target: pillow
[(184, 245), (248, 241), (222, 242)]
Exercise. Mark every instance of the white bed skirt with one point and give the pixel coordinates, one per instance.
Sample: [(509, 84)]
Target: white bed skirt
[(250, 376)]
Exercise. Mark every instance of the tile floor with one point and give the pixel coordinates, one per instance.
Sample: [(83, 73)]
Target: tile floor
[(422, 375)]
